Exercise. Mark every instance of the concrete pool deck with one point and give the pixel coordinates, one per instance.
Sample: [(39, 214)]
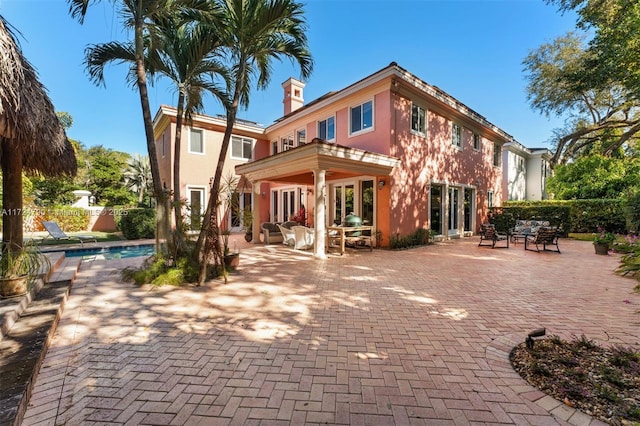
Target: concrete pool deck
[(389, 337)]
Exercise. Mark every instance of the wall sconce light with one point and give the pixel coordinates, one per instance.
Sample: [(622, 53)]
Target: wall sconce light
[(381, 183), (263, 194), (310, 191)]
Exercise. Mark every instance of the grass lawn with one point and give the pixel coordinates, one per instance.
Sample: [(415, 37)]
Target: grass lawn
[(589, 236)]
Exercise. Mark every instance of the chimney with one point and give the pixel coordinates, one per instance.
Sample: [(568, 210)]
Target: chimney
[(292, 95)]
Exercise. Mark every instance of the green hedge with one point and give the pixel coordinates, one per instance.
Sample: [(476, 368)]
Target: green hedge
[(137, 223), (70, 219), (568, 215)]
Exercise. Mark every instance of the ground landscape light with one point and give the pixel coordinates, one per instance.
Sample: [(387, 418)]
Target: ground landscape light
[(535, 333)]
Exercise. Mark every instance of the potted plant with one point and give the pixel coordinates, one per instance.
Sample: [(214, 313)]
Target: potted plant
[(231, 259), (247, 224), (602, 242), (19, 268)]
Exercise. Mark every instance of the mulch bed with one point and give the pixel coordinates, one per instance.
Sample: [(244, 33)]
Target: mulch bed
[(601, 382)]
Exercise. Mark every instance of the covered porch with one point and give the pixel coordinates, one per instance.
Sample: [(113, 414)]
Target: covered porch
[(316, 164)]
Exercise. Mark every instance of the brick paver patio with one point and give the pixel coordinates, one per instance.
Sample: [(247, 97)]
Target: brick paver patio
[(389, 337)]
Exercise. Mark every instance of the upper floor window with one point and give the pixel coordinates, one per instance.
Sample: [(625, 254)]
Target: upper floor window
[(196, 141), (476, 141), (418, 119), (456, 135), (362, 117), (163, 146), (497, 153), (287, 143), (274, 147), (241, 148), (327, 129), (301, 136)]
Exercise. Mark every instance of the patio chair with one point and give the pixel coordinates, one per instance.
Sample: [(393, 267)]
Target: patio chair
[(304, 237), (288, 236), (58, 234), (491, 236), (545, 236)]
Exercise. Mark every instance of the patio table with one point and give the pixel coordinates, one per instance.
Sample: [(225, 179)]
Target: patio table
[(353, 234)]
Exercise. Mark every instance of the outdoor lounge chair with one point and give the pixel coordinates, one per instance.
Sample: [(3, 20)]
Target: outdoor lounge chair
[(288, 236), (58, 234), (545, 236), (304, 237), (491, 237)]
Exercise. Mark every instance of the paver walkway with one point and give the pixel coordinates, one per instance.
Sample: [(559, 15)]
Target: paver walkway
[(389, 337)]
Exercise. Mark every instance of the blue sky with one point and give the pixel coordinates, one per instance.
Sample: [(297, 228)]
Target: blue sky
[(472, 49)]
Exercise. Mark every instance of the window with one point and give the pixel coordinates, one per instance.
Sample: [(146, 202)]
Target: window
[(476, 141), (241, 148), (301, 137), (196, 141), (163, 145), (274, 147), (456, 135), (489, 199), (287, 143), (362, 117), (418, 119), (497, 153), (327, 129)]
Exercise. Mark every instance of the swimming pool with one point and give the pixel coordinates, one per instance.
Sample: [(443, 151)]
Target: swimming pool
[(110, 253)]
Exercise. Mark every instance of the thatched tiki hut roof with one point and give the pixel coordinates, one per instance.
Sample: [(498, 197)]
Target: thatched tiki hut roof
[(31, 136)]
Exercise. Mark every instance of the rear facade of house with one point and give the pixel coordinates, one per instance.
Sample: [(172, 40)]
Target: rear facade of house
[(390, 148)]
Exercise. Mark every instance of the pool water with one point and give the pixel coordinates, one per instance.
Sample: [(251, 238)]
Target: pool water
[(110, 253)]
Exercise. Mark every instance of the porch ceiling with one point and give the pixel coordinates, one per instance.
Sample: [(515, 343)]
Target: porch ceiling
[(296, 165)]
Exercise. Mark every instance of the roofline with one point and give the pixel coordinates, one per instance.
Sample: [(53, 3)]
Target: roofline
[(390, 71), (169, 111)]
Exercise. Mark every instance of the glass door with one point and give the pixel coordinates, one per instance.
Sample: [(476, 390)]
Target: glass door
[(435, 213), (468, 208), (454, 200), (240, 201), (343, 201)]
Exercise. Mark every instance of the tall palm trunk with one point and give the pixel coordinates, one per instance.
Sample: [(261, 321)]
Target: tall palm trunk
[(208, 239), (162, 205), (177, 199)]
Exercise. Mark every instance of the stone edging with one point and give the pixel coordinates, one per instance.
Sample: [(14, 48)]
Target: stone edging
[(497, 355)]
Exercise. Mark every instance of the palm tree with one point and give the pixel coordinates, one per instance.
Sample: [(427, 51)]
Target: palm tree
[(140, 16), (187, 56), (138, 176), (253, 33)]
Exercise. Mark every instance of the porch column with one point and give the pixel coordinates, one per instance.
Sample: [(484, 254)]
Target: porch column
[(319, 190), (255, 211)]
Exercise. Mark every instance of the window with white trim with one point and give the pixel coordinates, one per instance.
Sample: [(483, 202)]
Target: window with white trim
[(476, 141), (274, 147), (418, 119), (489, 199), (361, 117), (327, 129), (241, 148), (456, 135), (286, 143), (497, 153), (301, 136), (196, 141)]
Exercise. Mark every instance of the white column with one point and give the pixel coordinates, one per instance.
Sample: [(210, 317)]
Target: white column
[(320, 191), (255, 224)]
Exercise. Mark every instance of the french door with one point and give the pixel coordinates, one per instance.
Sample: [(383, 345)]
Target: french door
[(454, 210)]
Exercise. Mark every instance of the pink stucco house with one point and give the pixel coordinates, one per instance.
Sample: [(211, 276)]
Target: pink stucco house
[(391, 148)]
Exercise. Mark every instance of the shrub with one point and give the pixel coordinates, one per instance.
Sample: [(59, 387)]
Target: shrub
[(70, 219), (419, 237), (632, 212), (137, 223)]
